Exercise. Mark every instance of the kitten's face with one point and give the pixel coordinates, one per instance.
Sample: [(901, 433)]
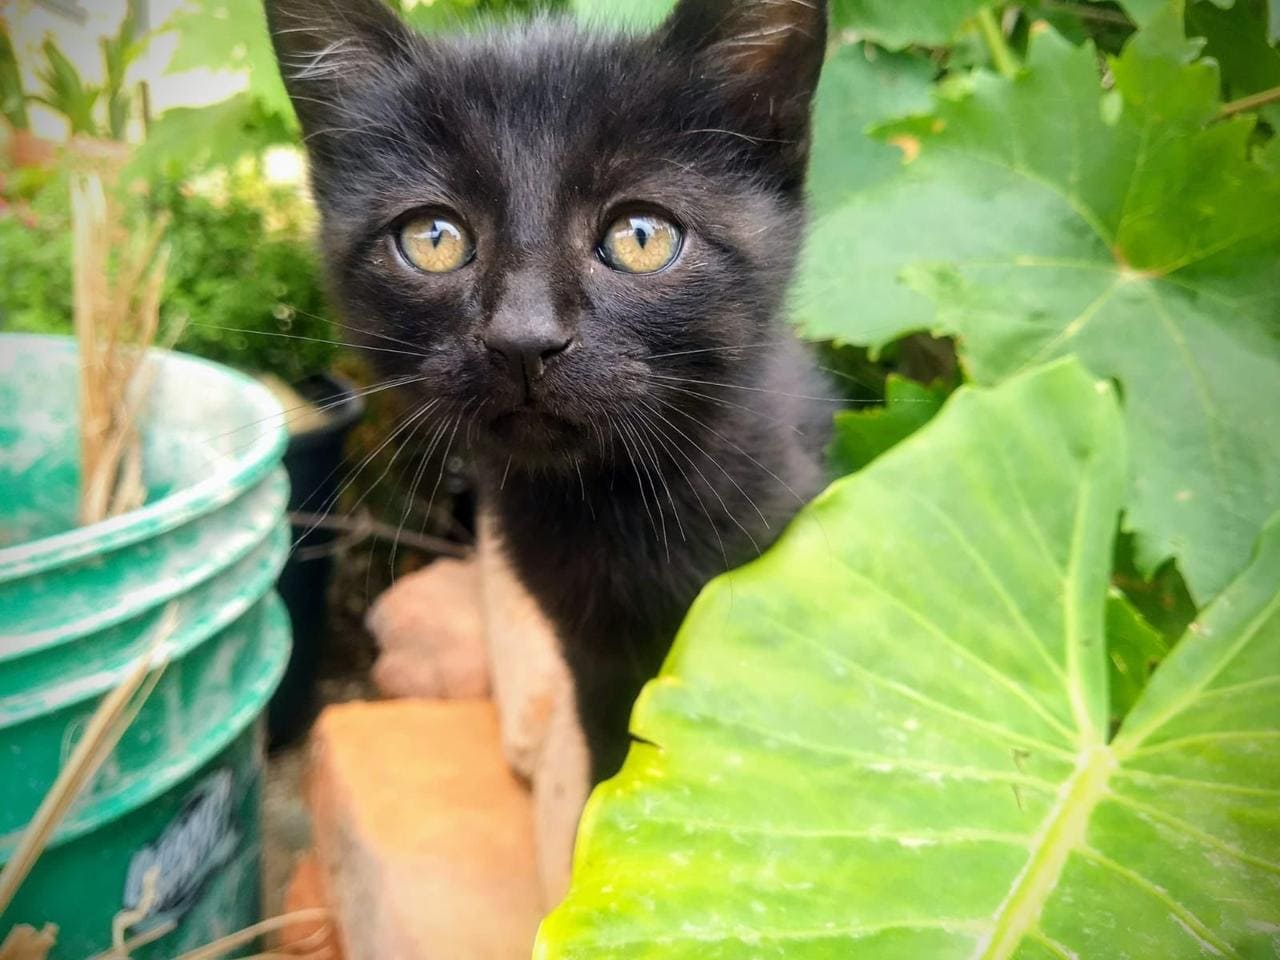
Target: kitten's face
[(556, 228)]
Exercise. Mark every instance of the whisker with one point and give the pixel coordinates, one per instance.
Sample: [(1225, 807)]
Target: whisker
[(641, 422), (843, 401), (716, 463), (737, 406), (644, 464), (639, 482), (346, 326), (424, 457), (723, 349), (444, 457), (326, 406), (657, 467), (413, 420), (740, 386), (582, 484), (670, 445), (786, 486), (444, 465), (295, 336)]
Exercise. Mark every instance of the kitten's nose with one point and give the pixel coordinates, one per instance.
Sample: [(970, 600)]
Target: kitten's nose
[(526, 351)]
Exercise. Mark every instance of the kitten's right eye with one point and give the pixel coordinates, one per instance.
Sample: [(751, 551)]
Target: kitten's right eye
[(641, 243), (436, 244)]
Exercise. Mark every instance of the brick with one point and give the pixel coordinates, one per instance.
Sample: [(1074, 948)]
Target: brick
[(424, 835), (306, 892), (430, 632), (528, 674)]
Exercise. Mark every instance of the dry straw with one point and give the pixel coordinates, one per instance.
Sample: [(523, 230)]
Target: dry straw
[(106, 727), (117, 319)]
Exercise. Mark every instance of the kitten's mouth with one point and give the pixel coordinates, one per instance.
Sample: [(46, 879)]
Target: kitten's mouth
[(531, 430)]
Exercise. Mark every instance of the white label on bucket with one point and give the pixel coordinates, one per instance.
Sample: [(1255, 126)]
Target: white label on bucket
[(196, 843)]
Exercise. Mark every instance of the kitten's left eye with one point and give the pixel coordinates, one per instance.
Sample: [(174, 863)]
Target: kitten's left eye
[(641, 243), (436, 244)]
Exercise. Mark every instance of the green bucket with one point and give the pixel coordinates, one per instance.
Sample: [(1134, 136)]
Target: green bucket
[(78, 606)]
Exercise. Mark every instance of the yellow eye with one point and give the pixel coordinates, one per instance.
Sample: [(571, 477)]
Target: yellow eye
[(641, 243), (436, 245)]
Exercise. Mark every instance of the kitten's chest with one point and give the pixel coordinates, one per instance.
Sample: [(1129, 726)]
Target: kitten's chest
[(603, 565)]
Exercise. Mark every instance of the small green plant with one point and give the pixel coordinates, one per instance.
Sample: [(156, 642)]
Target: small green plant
[(243, 278), (91, 110), (64, 91)]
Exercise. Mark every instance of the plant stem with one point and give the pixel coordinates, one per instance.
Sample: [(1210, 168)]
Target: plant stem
[(1251, 102), (1001, 56)]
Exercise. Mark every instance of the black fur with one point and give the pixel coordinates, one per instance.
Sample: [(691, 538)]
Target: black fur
[(619, 486)]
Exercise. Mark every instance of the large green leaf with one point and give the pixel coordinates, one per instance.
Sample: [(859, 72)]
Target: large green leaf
[(1044, 217), (888, 738)]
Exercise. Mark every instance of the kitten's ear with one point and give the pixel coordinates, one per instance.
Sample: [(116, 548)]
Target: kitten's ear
[(325, 47), (768, 53)]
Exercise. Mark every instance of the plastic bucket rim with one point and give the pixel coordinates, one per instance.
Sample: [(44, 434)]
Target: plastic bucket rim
[(74, 632), (272, 550), (205, 495)]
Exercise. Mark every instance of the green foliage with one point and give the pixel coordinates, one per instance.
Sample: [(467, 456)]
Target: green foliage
[(231, 35), (1240, 40), (896, 24), (186, 140), (235, 271), (1134, 649), (890, 737), (242, 272), (863, 435), (1131, 228)]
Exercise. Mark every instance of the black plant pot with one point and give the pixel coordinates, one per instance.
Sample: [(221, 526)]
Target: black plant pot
[(313, 460)]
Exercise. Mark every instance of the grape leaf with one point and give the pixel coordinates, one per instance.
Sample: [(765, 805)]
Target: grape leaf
[(858, 90), (900, 23), (1043, 217), (888, 738)]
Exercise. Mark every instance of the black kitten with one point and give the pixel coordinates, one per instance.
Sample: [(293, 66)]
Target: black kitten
[(589, 238)]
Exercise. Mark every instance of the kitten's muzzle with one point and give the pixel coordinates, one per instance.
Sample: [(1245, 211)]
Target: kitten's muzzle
[(525, 352)]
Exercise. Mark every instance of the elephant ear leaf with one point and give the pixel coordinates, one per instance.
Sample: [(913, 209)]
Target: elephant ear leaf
[(890, 736)]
